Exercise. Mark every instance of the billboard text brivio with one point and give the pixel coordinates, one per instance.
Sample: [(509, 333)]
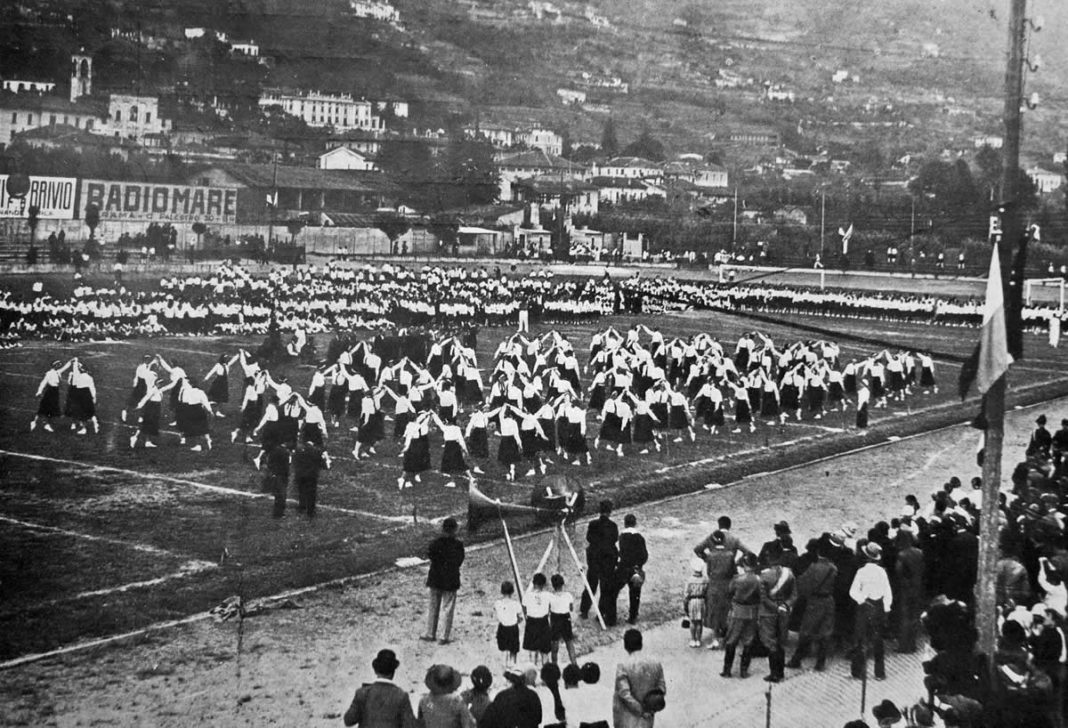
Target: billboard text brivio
[(54, 196)]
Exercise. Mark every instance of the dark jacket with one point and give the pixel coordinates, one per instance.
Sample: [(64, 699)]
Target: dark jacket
[(632, 551), (601, 537), (446, 554), (380, 705), (307, 462), (514, 707)]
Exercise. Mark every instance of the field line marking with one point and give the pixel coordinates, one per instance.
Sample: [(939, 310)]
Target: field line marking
[(195, 484), (187, 569), (144, 548)]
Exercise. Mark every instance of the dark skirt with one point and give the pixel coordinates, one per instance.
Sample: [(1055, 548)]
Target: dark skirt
[(531, 443), (251, 415), (140, 387), (610, 428), (790, 397), (537, 636), (897, 380), (219, 391), (355, 405), (927, 377), (508, 452), (625, 436), (287, 430), (769, 405), (679, 419), (452, 459), (715, 417), (877, 389), (508, 638), (318, 398), (560, 627), (835, 392), (478, 443), (49, 404), (643, 428), (400, 423), (662, 412), (149, 425), (193, 420), (815, 396), (575, 441), (862, 416), (548, 426), (80, 404), (849, 383), (312, 433), (373, 430), (742, 415), (270, 436), (417, 459), (336, 401), (596, 398)]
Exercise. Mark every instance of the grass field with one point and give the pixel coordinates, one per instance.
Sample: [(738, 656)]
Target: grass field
[(99, 539)]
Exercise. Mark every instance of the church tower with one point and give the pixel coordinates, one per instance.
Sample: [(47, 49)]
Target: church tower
[(81, 75)]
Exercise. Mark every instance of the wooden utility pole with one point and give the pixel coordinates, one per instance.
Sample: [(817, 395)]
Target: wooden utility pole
[(1012, 229)]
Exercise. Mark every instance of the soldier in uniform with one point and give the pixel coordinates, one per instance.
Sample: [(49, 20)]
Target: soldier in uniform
[(816, 587), (777, 595), (719, 562), (602, 555), (744, 593), (1041, 440)]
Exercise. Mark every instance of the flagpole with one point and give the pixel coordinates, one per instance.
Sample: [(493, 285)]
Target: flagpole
[(994, 399)]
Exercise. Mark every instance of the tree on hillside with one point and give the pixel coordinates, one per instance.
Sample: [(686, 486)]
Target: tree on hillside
[(409, 165), (466, 174), (393, 226), (609, 142), (646, 146), (990, 167)]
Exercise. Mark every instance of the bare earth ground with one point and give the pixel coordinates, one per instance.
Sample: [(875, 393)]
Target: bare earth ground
[(299, 666)]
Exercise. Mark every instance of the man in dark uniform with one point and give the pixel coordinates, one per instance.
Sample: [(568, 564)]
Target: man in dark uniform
[(276, 479), (777, 595), (816, 587), (446, 555), (744, 593), (1041, 440), (308, 460), (602, 555), (633, 555), (382, 702)]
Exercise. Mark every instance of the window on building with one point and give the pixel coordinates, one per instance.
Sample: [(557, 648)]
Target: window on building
[(29, 118), (52, 119), (133, 113), (118, 114), (66, 119), (14, 118), (148, 117)]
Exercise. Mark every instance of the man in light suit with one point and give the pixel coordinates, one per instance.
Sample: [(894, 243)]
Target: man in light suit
[(382, 703), (640, 686)]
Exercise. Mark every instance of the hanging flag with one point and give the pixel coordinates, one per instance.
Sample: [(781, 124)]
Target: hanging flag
[(272, 200), (991, 358), (847, 235)]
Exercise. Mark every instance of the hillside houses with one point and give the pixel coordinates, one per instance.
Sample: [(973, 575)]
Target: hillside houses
[(505, 137), (318, 109), (374, 10)]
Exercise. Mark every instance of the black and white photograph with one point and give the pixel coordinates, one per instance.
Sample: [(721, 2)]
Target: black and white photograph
[(534, 363)]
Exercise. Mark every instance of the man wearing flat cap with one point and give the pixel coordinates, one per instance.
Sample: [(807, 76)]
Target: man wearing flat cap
[(517, 706), (871, 593), (886, 714), (774, 548), (382, 703)]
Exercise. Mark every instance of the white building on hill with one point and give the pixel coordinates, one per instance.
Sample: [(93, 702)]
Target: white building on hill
[(340, 111)]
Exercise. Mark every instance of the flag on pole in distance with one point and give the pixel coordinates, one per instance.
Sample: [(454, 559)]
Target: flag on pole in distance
[(847, 235), (991, 358)]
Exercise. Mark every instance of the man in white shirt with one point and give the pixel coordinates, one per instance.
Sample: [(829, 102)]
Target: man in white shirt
[(871, 592)]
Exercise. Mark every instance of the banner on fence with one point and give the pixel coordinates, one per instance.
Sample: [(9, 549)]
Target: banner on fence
[(55, 196), (159, 202)]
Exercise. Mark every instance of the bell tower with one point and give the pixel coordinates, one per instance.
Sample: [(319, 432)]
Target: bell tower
[(81, 75)]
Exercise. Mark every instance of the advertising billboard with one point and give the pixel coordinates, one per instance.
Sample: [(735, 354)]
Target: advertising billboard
[(159, 202), (55, 196)]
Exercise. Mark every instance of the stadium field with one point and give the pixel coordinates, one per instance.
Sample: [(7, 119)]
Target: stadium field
[(99, 539)]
